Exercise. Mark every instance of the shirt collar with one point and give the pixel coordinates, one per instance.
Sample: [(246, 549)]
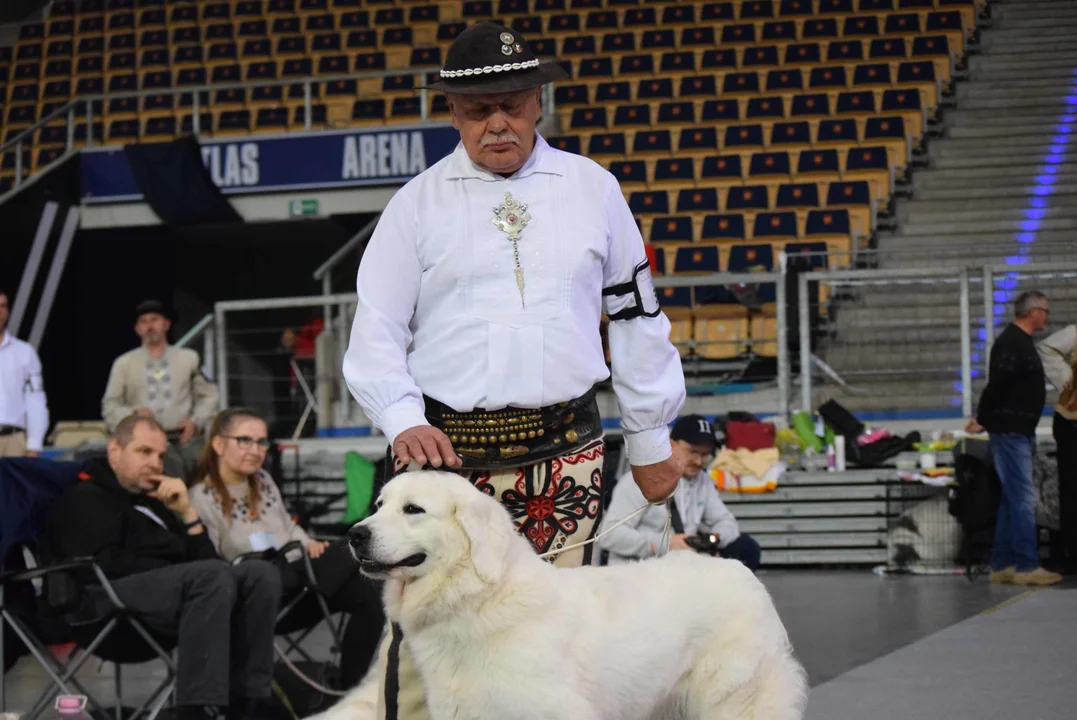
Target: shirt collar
[(543, 159), (5, 339)]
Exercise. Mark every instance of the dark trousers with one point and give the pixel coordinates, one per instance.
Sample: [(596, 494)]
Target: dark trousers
[(222, 617), (346, 591), (745, 549), (1065, 432)]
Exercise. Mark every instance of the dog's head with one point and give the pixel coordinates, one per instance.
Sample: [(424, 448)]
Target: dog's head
[(433, 523)]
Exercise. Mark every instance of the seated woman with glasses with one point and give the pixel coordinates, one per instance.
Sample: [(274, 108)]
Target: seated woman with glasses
[(243, 512)]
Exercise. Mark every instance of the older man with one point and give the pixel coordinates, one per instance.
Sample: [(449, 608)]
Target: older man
[(159, 381), (1010, 408), (476, 341), (24, 411)]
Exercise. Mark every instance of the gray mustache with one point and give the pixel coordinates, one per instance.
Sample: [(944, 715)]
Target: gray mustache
[(503, 137)]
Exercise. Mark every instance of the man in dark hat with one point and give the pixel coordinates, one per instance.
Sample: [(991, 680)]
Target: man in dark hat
[(165, 383), (476, 342), (696, 507)]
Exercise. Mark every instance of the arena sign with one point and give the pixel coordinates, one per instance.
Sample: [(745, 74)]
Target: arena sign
[(279, 163)]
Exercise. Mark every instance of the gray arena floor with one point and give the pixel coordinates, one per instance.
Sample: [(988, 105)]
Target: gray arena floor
[(874, 647)]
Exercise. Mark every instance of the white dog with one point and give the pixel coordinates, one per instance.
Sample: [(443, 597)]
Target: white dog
[(497, 633)]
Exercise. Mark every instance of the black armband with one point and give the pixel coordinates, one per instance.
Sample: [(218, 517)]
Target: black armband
[(641, 289)]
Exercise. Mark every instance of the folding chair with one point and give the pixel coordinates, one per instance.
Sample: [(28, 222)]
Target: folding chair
[(119, 638), (293, 631), (27, 489)]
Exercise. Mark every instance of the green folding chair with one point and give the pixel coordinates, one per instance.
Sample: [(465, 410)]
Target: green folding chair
[(359, 482)]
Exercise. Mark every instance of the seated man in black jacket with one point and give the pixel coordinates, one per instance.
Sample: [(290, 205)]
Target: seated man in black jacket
[(141, 529)]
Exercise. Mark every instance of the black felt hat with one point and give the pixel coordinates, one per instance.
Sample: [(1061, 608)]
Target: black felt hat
[(151, 306), (488, 58)]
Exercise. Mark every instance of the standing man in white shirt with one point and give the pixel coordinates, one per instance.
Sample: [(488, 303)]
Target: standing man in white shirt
[(476, 340), (24, 411)]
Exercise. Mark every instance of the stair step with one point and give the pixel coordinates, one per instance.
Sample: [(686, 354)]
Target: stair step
[(994, 199), (1025, 141), (971, 131), (940, 226), (988, 164)]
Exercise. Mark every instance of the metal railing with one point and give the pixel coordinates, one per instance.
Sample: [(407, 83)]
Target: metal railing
[(69, 110)]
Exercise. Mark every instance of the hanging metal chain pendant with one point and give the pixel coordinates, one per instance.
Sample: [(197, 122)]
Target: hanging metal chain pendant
[(511, 217)]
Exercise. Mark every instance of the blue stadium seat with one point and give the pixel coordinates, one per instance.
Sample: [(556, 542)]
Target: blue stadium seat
[(612, 92), (676, 63), (835, 7), (697, 200), (674, 228), (678, 14), (779, 81), (747, 197), (607, 144), (902, 24), (743, 258), (724, 59), (837, 131), (782, 31), (797, 196), (721, 111), (860, 26), (653, 142), (741, 34), (640, 17), (698, 140), (568, 95), (676, 113), (856, 193), (723, 227), (600, 67), (775, 225), (816, 162), (887, 49), (765, 108), (740, 83), (618, 42), (717, 12), (648, 203), (629, 172), (820, 29), (744, 136), (602, 20), (769, 164), (795, 8), (658, 39), (831, 76), (790, 133), (761, 56), (858, 102), (722, 167), (872, 74), (697, 36), (636, 65), (698, 259), (660, 88), (827, 222), (586, 118), (803, 54), (568, 143), (676, 170)]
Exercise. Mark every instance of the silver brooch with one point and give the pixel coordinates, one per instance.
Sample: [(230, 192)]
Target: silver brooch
[(511, 217), (507, 38), (506, 50)]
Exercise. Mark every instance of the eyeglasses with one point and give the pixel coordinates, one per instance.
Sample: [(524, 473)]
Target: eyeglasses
[(245, 443)]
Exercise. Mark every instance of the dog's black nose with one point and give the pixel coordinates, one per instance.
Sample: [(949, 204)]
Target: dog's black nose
[(359, 537)]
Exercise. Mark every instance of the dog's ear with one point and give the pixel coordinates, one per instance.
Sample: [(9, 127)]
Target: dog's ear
[(488, 531)]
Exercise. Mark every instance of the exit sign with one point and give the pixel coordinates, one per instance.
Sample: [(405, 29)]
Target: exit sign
[(299, 208)]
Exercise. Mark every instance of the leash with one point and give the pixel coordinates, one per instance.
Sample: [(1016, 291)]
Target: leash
[(665, 532)]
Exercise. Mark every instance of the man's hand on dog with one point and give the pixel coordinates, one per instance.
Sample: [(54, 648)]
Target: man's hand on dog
[(425, 444), (658, 481)]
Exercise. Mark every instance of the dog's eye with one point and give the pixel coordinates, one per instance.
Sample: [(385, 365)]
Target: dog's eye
[(410, 509)]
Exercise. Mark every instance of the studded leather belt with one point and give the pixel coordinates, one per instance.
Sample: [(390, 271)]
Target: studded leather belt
[(9, 430), (488, 439)]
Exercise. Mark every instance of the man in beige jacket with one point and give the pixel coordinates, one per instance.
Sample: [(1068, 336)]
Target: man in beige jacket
[(166, 383), (1059, 355)]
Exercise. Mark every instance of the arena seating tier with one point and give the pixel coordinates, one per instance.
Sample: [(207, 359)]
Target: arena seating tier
[(737, 129)]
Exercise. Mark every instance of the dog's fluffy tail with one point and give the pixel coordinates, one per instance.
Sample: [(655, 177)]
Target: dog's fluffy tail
[(782, 690)]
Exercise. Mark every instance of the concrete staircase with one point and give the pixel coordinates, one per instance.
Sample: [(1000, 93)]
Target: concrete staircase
[(985, 197)]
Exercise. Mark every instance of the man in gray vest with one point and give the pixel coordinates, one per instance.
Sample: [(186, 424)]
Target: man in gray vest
[(165, 383)]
